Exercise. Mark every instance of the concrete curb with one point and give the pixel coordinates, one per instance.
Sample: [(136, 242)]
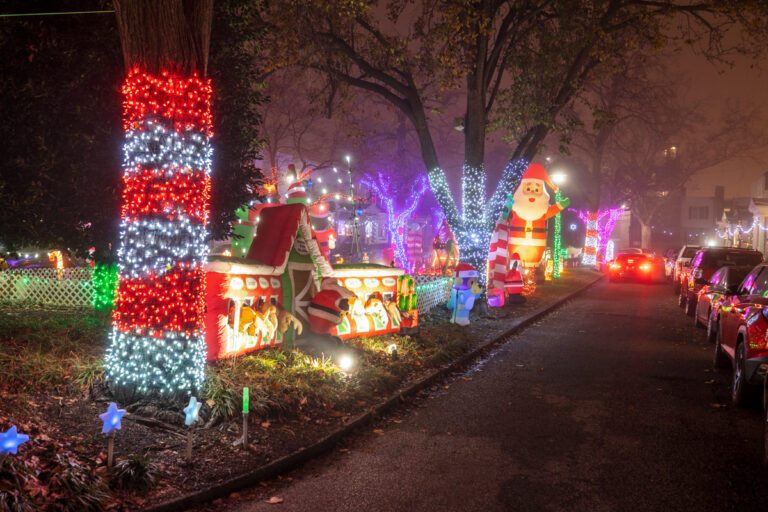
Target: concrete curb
[(302, 456)]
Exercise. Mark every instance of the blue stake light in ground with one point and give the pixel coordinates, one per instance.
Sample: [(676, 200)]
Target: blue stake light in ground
[(11, 440), (111, 418), (191, 411)]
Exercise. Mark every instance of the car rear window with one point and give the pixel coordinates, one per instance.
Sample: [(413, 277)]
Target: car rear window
[(634, 257), (689, 252), (717, 259), (737, 275)]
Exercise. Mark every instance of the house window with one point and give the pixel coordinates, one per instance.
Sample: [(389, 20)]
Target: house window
[(698, 212)]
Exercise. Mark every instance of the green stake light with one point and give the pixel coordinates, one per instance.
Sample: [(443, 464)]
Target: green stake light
[(245, 400)]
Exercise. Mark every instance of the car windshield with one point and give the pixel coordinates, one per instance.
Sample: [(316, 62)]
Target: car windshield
[(717, 259), (689, 252)]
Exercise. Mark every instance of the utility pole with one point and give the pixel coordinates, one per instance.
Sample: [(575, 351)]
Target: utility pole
[(355, 254)]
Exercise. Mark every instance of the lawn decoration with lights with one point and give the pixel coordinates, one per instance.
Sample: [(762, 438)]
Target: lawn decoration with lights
[(157, 339)]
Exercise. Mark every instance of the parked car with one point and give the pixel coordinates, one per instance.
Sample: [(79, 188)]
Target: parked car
[(682, 261), (669, 262), (703, 266), (741, 334), (724, 282), (641, 267)]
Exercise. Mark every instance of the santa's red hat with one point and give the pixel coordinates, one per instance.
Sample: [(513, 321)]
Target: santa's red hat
[(319, 210), (327, 306), (515, 256), (465, 270), (539, 173)]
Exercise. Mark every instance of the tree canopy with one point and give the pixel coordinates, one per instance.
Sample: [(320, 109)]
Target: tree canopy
[(519, 63), (59, 94)]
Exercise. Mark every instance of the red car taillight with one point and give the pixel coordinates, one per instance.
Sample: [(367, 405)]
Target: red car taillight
[(615, 266), (645, 266)]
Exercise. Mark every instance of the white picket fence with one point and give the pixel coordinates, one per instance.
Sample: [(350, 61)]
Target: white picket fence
[(68, 287), (431, 291)]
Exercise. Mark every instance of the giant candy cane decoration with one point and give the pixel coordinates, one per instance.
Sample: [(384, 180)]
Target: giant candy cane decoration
[(498, 256)]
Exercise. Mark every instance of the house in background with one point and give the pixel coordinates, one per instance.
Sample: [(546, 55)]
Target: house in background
[(698, 217)]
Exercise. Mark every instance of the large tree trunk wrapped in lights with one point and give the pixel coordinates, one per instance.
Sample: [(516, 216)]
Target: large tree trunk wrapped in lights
[(599, 226), (592, 240), (157, 335)]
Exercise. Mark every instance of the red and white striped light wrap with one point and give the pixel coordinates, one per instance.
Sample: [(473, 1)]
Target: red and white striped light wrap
[(158, 325)]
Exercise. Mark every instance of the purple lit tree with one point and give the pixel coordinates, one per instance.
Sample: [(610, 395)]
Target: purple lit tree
[(397, 219)]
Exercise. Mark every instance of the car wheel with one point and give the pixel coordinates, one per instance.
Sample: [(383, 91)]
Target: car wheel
[(721, 358), (738, 383), (690, 307), (681, 298), (711, 328)]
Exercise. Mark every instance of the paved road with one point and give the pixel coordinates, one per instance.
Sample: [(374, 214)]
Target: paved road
[(608, 404)]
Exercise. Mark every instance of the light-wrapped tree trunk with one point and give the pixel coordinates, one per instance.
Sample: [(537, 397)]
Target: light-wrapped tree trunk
[(158, 326)]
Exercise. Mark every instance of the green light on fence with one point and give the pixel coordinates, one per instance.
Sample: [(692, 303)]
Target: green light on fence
[(104, 286)]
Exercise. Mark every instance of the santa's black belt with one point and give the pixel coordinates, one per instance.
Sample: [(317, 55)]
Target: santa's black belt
[(325, 308), (535, 230)]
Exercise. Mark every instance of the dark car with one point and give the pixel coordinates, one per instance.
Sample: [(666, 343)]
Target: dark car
[(724, 282), (704, 264), (641, 267), (741, 334)]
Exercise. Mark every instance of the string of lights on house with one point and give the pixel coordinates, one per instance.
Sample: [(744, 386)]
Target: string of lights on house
[(738, 229)]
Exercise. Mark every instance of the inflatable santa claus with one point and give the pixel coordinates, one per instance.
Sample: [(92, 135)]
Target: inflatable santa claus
[(530, 212)]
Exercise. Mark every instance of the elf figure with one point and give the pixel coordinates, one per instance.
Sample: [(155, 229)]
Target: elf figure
[(530, 212), (513, 283), (466, 288)]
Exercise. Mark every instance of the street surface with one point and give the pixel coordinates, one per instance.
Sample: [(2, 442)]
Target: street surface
[(609, 403)]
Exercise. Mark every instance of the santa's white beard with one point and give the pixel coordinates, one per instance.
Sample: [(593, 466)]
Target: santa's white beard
[(526, 209)]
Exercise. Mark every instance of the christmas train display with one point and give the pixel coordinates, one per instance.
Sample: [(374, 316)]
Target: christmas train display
[(286, 287)]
